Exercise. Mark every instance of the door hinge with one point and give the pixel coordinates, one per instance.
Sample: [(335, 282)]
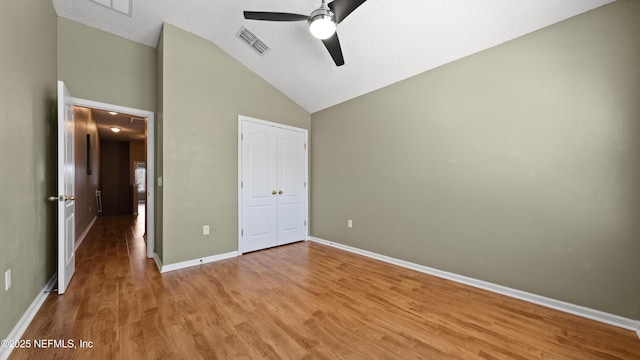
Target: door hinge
[(305, 146), (241, 136), (305, 184), (241, 232), (241, 184), (305, 223)]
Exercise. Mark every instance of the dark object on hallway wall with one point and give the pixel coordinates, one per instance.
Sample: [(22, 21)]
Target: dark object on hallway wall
[(89, 152)]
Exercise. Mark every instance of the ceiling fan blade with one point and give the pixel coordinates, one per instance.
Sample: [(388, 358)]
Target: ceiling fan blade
[(333, 45), (342, 8), (274, 16)]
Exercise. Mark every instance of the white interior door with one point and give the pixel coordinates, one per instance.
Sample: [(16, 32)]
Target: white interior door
[(259, 194), (273, 185), (292, 194), (66, 189)]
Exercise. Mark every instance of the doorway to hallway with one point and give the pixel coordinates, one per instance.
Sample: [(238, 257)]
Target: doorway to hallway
[(137, 128)]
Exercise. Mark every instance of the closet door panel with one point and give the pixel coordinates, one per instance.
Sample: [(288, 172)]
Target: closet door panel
[(259, 162), (291, 181)]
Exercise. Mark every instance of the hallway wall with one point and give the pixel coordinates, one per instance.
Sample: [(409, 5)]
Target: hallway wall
[(86, 184)]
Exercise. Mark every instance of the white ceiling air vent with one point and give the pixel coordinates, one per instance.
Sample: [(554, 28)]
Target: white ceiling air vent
[(121, 6), (250, 39)]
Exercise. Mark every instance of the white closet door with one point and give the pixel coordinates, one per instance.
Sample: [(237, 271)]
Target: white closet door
[(259, 164), (292, 197), (273, 184)]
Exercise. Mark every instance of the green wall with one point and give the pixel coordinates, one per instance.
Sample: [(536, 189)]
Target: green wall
[(519, 165), (203, 91), (99, 66), (27, 153)]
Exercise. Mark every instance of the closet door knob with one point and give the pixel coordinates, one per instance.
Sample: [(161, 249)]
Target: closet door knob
[(273, 192), (280, 192)]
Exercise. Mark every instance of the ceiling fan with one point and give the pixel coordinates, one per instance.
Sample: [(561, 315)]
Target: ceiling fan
[(323, 22)]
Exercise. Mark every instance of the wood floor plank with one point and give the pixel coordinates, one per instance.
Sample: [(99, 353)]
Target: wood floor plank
[(300, 301), (131, 341)]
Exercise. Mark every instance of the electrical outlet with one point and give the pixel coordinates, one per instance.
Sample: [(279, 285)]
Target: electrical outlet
[(205, 230), (7, 280), (349, 224)]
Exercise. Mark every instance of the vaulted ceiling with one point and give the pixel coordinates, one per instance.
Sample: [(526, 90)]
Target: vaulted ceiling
[(382, 41)]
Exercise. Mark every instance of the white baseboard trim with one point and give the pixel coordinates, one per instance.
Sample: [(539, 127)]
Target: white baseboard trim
[(84, 233), (582, 311), (22, 325), (194, 262), (158, 261)]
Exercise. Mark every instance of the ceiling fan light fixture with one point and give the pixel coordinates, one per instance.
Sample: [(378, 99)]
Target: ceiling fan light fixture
[(322, 23), (115, 129)]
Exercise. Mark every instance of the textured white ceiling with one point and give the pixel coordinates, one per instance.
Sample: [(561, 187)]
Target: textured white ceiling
[(382, 41)]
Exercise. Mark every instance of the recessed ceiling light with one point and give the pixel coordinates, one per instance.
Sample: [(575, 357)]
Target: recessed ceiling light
[(113, 113), (115, 129)]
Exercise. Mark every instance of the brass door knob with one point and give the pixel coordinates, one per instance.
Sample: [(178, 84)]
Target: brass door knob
[(69, 197), (273, 192), (53, 198), (280, 192)]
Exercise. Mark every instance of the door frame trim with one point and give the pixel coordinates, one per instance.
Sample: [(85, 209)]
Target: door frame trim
[(243, 118), (151, 144)]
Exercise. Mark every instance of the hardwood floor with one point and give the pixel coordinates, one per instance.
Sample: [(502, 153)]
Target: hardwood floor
[(301, 301)]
